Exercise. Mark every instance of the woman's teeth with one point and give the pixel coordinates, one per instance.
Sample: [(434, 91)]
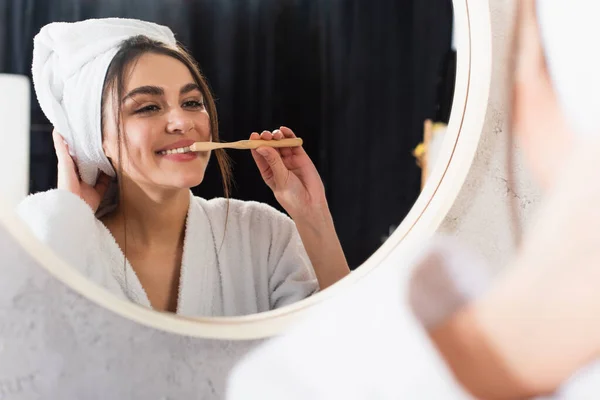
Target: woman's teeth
[(180, 150)]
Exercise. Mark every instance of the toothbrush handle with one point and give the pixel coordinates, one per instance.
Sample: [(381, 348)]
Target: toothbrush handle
[(253, 144), (246, 144)]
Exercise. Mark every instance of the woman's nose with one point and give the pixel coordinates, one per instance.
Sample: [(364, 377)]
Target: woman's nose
[(179, 122)]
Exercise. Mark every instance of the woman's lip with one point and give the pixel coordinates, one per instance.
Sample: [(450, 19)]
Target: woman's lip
[(180, 157)]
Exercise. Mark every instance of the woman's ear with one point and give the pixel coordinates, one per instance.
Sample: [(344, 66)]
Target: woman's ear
[(106, 149), (110, 148)]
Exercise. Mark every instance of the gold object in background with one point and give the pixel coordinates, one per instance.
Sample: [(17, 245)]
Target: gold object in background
[(422, 152)]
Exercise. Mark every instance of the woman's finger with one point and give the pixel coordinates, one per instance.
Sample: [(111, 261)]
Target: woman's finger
[(254, 136), (276, 175), (261, 163), (284, 151), (102, 184), (67, 175), (61, 148), (530, 60), (266, 135), (288, 133)]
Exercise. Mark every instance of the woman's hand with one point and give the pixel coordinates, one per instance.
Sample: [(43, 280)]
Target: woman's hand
[(291, 174), (540, 321), (68, 176), (297, 186)]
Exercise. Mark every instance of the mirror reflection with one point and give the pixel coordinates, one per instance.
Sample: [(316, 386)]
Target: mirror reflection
[(367, 86)]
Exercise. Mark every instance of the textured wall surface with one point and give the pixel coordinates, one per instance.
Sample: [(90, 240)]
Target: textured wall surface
[(480, 216), (56, 344)]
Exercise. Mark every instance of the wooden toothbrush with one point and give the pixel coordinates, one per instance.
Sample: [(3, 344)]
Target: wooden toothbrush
[(244, 144)]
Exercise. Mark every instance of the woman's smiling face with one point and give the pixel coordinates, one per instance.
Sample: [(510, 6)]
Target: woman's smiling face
[(162, 108)]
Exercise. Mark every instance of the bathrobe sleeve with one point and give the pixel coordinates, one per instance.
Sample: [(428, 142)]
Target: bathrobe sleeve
[(292, 277), (64, 222)]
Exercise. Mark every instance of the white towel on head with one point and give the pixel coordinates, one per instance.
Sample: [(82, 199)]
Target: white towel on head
[(569, 31), (70, 61)]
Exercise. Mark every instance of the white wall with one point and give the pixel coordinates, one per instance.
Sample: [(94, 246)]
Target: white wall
[(14, 137), (480, 215)]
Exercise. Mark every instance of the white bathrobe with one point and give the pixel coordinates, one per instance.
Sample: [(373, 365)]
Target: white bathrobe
[(262, 264)]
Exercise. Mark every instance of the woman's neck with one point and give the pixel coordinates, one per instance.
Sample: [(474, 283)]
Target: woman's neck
[(153, 218)]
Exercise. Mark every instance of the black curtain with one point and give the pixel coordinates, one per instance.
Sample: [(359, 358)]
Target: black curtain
[(354, 78)]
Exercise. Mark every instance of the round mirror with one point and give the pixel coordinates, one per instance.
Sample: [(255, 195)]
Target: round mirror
[(379, 94)]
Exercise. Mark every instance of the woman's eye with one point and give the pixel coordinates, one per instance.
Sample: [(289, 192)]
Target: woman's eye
[(193, 104), (147, 109)]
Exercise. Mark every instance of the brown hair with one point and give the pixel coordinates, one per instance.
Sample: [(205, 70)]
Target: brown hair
[(130, 51)]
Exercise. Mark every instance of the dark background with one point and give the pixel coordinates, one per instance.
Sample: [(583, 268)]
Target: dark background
[(354, 78)]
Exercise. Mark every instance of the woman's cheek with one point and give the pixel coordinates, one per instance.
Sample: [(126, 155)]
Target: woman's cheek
[(203, 125)]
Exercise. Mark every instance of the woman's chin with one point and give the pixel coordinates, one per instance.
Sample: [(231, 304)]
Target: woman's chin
[(187, 181)]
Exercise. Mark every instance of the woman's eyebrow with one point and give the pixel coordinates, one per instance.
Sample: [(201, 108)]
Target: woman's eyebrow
[(190, 87), (151, 90), (158, 91)]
